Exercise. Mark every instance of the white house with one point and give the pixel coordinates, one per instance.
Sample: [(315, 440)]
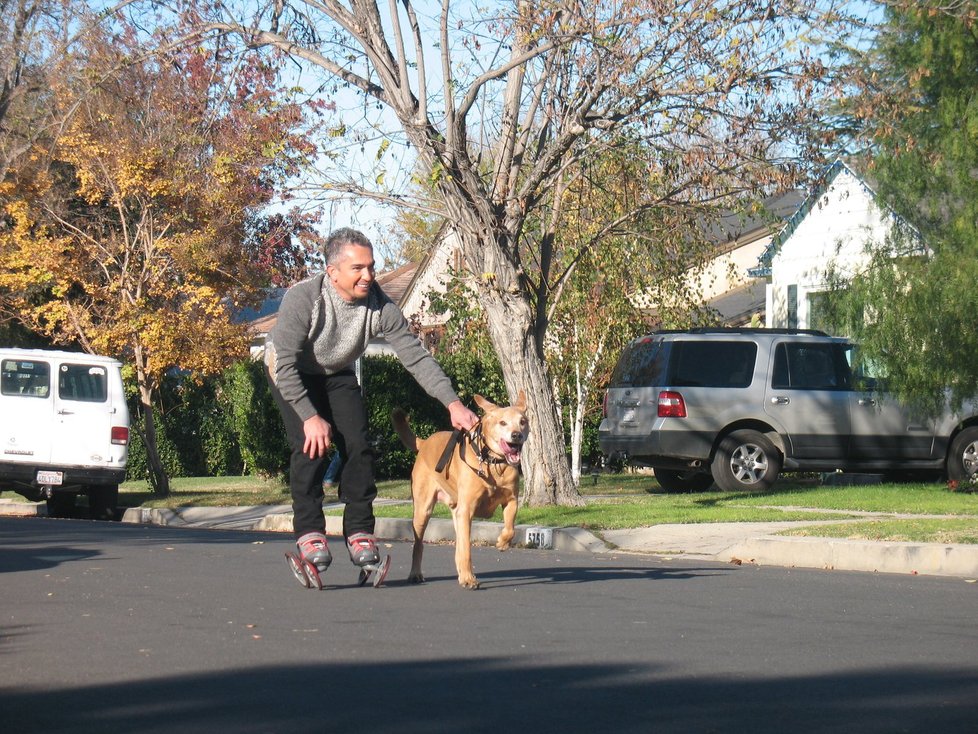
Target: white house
[(833, 229)]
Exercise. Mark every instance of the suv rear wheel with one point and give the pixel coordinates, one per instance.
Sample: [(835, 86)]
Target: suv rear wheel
[(678, 480), (746, 461)]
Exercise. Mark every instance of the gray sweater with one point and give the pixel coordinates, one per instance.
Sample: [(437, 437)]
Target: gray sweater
[(320, 333)]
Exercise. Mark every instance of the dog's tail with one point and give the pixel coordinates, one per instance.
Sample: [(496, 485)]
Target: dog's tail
[(403, 428)]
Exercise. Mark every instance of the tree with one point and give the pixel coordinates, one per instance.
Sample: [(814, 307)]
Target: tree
[(522, 95), (26, 31), (919, 103), (145, 233)]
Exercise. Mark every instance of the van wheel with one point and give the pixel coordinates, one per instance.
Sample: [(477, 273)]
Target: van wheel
[(746, 461), (678, 480), (102, 501), (962, 458)]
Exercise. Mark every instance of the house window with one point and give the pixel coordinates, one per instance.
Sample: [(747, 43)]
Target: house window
[(818, 311), (792, 306)]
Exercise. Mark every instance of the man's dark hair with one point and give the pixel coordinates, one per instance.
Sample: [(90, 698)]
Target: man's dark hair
[(340, 238)]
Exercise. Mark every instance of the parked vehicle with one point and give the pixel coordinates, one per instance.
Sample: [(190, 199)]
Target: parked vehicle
[(64, 429), (739, 406)]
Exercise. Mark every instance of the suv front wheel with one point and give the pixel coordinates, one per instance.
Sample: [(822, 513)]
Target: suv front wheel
[(962, 459), (746, 461)]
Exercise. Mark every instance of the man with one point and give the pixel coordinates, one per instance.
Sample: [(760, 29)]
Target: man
[(324, 325)]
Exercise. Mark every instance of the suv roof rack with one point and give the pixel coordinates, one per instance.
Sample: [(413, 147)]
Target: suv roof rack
[(739, 330)]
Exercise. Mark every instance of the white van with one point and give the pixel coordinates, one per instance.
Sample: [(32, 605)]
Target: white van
[(64, 429)]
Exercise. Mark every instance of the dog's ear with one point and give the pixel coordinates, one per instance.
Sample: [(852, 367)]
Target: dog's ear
[(484, 404), (520, 401)]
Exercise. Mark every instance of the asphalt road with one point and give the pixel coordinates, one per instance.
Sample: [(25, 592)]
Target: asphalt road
[(113, 629)]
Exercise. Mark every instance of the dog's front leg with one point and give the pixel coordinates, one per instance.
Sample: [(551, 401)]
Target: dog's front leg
[(509, 525), (462, 517)]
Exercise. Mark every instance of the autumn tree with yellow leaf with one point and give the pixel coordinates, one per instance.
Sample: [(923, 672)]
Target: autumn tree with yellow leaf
[(140, 229)]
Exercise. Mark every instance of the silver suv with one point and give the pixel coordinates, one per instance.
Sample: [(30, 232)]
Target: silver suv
[(738, 406)]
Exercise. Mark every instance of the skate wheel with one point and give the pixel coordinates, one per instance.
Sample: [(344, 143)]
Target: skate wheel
[(364, 575), (297, 569), (315, 580), (385, 566)]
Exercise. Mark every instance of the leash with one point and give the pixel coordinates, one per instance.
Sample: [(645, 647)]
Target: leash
[(446, 455)]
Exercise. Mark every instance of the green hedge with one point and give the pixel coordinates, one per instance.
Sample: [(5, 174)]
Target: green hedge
[(230, 425)]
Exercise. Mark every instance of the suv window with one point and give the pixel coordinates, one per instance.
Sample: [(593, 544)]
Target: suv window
[(83, 382), (805, 366), (32, 379), (642, 363), (712, 363)]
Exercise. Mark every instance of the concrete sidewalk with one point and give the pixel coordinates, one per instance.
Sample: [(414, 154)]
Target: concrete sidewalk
[(741, 543)]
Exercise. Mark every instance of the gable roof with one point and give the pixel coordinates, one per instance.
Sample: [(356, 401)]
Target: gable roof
[(837, 168), (397, 283), (734, 227)]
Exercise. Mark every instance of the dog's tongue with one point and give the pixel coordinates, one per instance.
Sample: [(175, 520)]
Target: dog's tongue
[(511, 452)]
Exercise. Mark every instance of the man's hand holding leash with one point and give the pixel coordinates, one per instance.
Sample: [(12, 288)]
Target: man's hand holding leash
[(463, 419)]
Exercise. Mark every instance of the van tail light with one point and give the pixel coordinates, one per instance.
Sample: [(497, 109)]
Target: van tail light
[(671, 405), (604, 405), (120, 435)]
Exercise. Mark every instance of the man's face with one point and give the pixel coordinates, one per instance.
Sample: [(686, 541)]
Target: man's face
[(353, 272)]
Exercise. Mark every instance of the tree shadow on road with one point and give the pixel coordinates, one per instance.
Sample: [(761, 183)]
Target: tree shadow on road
[(494, 695)]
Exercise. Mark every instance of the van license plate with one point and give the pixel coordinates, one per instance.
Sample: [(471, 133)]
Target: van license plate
[(50, 477), (628, 416)]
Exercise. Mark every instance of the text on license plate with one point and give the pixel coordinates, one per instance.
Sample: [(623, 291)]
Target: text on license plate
[(50, 477)]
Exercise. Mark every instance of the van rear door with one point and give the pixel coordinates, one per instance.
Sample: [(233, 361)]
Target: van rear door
[(83, 415), (26, 410)]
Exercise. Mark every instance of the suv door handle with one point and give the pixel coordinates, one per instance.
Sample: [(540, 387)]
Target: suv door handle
[(780, 400), (65, 412), (867, 401)]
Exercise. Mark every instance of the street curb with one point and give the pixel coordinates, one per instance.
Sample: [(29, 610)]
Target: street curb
[(438, 531), (9, 508), (934, 559)]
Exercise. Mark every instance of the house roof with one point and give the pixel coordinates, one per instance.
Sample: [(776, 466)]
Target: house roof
[(397, 282), (736, 226), (763, 268), (737, 306)]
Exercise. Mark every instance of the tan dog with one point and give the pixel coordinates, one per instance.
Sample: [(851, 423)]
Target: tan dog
[(473, 476)]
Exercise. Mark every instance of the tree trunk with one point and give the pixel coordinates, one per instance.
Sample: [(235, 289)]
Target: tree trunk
[(157, 474), (546, 474), (514, 335), (583, 387)]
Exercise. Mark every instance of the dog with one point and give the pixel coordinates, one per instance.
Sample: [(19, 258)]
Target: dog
[(472, 473)]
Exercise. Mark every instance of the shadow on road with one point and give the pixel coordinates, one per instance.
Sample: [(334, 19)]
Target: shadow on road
[(490, 695), (567, 574)]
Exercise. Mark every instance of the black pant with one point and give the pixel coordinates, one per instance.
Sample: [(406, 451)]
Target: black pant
[(338, 400)]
